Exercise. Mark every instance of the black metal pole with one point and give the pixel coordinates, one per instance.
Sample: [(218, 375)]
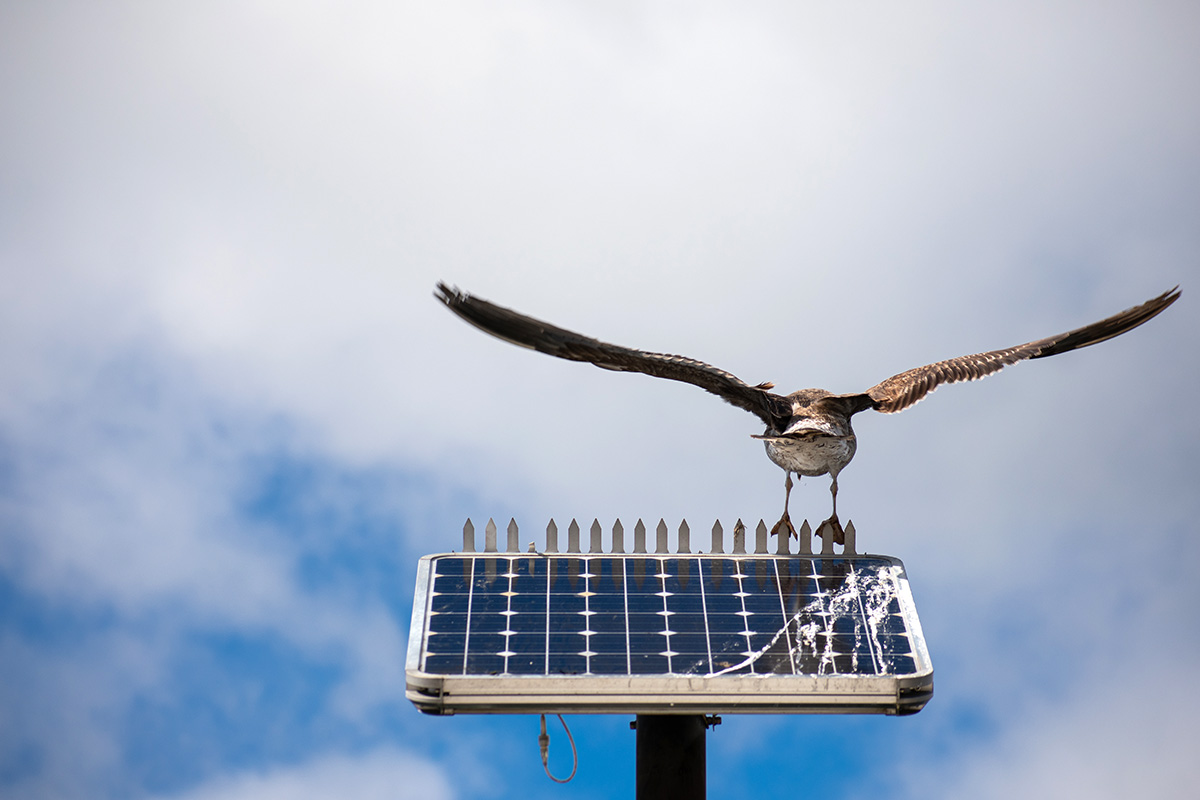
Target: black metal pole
[(670, 757)]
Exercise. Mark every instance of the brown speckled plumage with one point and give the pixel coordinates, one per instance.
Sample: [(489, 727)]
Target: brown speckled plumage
[(808, 432)]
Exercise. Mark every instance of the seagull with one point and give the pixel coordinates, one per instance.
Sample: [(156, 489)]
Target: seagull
[(808, 431)]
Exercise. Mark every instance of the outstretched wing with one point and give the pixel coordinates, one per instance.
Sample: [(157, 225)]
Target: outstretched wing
[(519, 329), (901, 391)]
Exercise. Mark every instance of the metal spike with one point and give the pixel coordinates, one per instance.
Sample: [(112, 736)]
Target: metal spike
[(684, 544), (573, 537), (639, 537), (739, 538), (514, 543), (784, 545), (760, 537), (718, 538), (618, 545), (595, 544), (489, 536), (468, 537), (806, 539), (826, 534), (661, 540), (848, 549), (551, 537)]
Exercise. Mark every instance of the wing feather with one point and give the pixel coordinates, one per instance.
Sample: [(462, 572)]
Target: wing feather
[(901, 391), (525, 331)]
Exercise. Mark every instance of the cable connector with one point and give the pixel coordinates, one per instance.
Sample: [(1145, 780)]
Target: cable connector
[(544, 744)]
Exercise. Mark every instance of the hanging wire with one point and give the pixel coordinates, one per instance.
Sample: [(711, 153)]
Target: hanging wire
[(544, 746)]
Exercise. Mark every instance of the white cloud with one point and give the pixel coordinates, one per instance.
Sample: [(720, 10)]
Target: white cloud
[(783, 162), (1132, 735), (66, 747), (377, 775)]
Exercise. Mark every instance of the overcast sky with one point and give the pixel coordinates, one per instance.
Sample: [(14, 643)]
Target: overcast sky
[(234, 417)]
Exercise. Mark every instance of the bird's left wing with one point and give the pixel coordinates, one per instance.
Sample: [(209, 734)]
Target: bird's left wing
[(519, 329), (901, 391)]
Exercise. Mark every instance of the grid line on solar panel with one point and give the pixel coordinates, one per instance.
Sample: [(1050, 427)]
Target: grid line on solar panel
[(647, 615)]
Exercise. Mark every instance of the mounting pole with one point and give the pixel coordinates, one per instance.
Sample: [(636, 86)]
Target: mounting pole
[(670, 757)]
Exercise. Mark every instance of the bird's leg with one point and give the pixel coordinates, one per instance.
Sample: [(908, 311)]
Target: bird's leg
[(785, 522), (832, 524)]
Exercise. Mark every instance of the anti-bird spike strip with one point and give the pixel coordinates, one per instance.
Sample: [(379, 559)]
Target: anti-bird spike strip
[(683, 539)]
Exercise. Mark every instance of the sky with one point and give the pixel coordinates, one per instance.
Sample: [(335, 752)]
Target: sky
[(234, 417)]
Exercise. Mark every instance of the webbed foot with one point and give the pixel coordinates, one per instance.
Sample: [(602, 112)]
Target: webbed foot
[(784, 526), (832, 527)]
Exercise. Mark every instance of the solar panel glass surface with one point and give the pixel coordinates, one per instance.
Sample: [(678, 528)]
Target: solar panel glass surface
[(531, 615)]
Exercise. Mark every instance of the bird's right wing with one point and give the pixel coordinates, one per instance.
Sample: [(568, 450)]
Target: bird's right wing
[(901, 391), (526, 331)]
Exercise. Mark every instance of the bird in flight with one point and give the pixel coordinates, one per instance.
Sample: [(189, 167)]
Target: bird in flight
[(808, 431)]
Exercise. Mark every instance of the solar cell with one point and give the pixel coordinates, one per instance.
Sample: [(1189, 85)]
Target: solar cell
[(615, 632)]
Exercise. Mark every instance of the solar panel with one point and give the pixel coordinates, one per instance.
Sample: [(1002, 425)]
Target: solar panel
[(718, 633)]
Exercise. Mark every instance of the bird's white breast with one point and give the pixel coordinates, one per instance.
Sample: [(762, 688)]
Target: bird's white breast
[(812, 453)]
